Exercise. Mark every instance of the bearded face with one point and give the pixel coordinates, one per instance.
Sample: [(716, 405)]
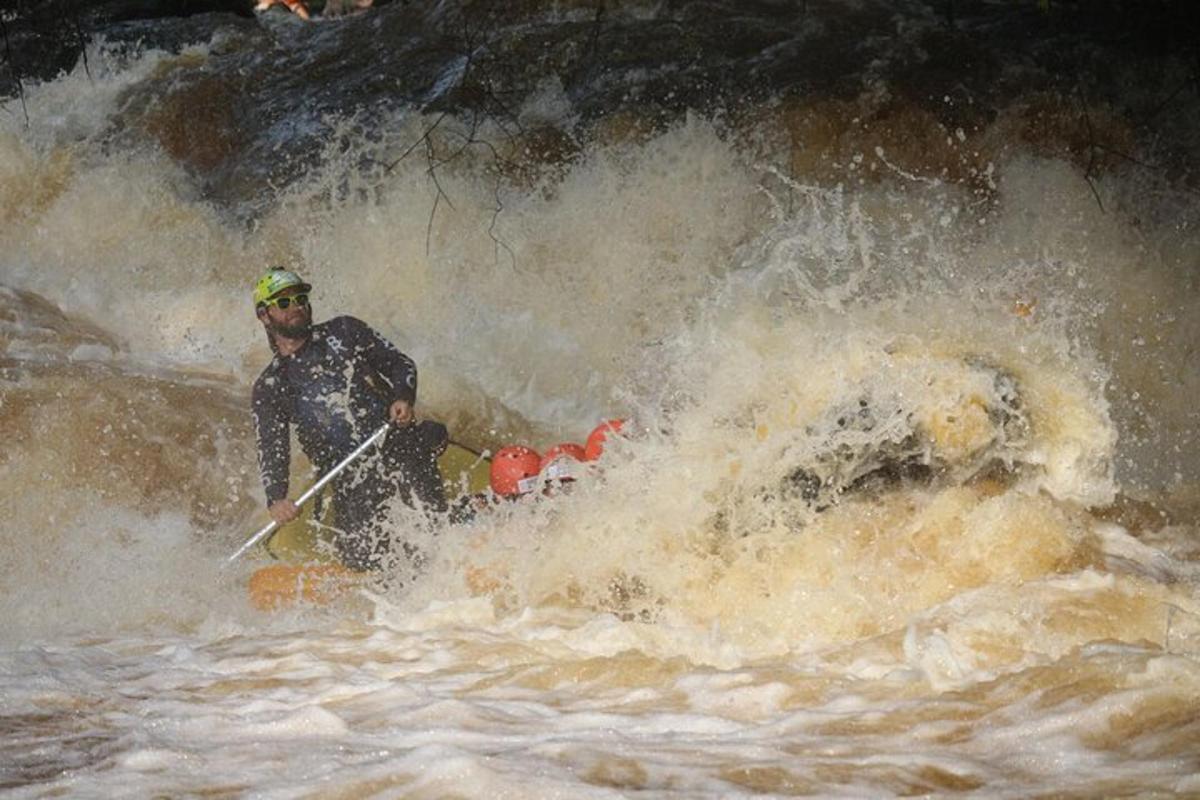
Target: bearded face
[(291, 329), (293, 322)]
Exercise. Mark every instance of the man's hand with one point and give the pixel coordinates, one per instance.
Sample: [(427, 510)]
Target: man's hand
[(283, 511), (401, 412)]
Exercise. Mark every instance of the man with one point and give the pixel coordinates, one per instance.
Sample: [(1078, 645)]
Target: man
[(338, 382)]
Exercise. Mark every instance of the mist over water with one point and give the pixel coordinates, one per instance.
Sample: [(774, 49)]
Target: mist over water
[(906, 503)]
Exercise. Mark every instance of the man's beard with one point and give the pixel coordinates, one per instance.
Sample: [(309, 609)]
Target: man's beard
[(298, 331)]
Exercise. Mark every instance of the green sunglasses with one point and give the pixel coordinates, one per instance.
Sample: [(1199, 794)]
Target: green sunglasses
[(285, 302)]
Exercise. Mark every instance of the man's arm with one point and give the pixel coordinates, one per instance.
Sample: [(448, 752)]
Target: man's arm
[(274, 445), (387, 361)]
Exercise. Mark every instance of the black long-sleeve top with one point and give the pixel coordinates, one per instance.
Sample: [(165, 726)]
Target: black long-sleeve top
[(336, 389)]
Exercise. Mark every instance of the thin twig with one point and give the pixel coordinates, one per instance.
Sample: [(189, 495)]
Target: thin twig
[(497, 242), (432, 171), (82, 42), (491, 109), (1087, 173), (468, 140), (422, 139), (434, 164), (431, 161), (1115, 152)]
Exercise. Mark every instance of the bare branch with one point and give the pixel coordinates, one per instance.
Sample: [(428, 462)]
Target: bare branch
[(80, 37), (423, 139), (1118, 153), (1092, 150), (432, 171), (491, 231), (488, 107), (429, 224)]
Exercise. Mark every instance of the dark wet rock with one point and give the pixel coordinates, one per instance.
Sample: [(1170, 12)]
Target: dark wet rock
[(225, 33), (198, 125), (925, 82), (528, 156), (46, 37)]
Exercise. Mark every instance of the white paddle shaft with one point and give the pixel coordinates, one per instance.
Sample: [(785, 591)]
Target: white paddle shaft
[(312, 490)]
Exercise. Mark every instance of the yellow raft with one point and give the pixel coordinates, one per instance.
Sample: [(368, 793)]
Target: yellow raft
[(308, 569)]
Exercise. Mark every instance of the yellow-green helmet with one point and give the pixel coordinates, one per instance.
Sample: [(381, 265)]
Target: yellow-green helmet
[(275, 281)]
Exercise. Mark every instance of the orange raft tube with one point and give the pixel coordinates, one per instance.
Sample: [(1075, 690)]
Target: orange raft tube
[(283, 585)]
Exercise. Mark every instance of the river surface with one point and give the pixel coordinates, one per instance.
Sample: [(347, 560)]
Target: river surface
[(902, 320)]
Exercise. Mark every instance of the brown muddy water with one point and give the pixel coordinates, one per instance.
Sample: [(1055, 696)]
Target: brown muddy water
[(908, 500)]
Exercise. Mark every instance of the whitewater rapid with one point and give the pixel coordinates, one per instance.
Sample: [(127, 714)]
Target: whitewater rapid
[(991, 588)]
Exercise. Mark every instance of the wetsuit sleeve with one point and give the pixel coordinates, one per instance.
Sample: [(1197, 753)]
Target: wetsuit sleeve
[(385, 359), (274, 444)]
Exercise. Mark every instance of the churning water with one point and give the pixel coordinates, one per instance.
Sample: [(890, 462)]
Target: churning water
[(907, 502)]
